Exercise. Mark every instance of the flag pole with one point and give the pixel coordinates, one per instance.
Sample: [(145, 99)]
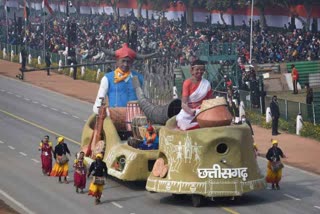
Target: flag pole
[(7, 22), (44, 30), (25, 22)]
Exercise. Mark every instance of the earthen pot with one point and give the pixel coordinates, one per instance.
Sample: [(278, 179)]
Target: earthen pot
[(214, 112), (215, 116)]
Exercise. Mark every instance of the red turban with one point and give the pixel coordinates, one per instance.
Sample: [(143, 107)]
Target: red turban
[(125, 51), (150, 129)]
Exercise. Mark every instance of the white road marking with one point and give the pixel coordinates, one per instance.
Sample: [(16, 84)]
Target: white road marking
[(317, 207), (27, 99), (11, 147), (54, 109), (3, 90), (35, 160), (17, 203), (292, 197), (23, 154), (116, 204), (1, 142), (85, 120), (44, 105), (290, 167), (9, 92), (64, 112), (17, 95), (35, 102), (75, 116)]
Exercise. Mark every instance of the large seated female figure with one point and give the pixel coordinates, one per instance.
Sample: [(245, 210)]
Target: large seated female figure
[(194, 91)]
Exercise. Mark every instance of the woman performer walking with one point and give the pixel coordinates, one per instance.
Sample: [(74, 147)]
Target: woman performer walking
[(46, 155), (274, 168), (100, 171), (80, 171), (61, 168)]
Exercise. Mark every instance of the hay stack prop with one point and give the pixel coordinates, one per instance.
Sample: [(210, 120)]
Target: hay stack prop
[(214, 113)]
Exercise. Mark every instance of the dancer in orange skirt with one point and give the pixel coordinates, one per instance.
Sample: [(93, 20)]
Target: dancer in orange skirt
[(61, 168), (100, 172), (274, 168)]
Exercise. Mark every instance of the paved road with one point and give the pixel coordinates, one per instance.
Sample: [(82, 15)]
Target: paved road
[(27, 113)]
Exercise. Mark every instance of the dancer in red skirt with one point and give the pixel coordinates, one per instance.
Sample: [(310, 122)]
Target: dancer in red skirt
[(80, 171), (46, 155)]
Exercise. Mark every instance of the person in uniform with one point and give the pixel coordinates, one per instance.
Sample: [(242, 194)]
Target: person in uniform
[(48, 63), (275, 114), (295, 77), (23, 57)]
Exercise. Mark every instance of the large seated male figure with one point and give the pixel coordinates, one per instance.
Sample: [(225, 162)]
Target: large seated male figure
[(117, 88)]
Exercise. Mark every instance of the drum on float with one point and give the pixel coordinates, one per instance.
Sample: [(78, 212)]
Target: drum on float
[(138, 124), (133, 110)]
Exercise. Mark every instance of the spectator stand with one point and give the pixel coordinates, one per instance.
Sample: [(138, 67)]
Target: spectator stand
[(269, 67), (222, 60)]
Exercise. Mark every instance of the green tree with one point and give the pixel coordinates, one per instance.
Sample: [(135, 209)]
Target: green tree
[(222, 6), (159, 4), (288, 4), (113, 4), (189, 4), (261, 5), (140, 4)]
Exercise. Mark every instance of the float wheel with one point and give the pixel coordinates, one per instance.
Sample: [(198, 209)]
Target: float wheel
[(197, 200)]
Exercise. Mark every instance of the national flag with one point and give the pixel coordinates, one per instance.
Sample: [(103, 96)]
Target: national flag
[(26, 11), (46, 6)]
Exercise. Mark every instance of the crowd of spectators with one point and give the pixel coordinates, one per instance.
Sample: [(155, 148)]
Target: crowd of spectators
[(172, 38)]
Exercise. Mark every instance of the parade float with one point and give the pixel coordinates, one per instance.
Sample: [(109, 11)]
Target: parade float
[(215, 160)]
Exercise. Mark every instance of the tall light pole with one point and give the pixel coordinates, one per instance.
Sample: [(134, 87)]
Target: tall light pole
[(68, 32), (71, 55), (251, 27)]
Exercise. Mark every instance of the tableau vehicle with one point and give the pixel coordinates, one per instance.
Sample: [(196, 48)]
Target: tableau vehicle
[(117, 134), (206, 163), (123, 161), (216, 160)]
